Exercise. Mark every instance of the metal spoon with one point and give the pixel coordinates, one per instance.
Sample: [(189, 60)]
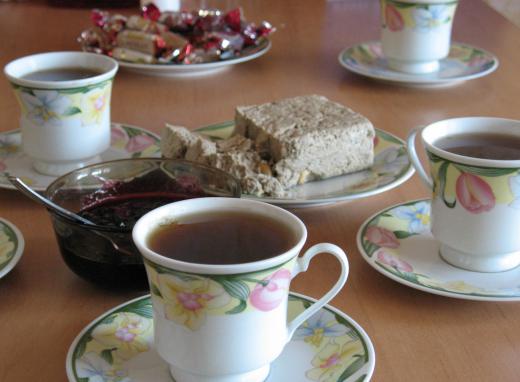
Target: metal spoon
[(27, 191)]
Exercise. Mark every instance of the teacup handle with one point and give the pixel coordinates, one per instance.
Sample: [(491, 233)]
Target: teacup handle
[(412, 154), (302, 264)]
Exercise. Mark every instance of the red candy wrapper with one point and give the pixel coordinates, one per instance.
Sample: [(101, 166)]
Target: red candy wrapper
[(183, 37)]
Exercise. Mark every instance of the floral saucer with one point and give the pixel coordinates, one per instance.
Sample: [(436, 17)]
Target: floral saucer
[(11, 246), (118, 347), (126, 142), (397, 242), (463, 63), (184, 70), (390, 169)]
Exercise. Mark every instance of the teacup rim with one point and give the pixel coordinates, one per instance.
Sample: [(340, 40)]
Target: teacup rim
[(108, 74), (224, 204), (471, 161)]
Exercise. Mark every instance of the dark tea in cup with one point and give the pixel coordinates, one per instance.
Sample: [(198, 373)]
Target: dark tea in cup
[(224, 237)]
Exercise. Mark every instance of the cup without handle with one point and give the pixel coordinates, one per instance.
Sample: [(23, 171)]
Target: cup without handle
[(414, 158), (302, 264)]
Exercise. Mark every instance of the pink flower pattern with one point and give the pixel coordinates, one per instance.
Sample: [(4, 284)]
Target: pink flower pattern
[(474, 193), (268, 294), (139, 143), (117, 135), (381, 237), (393, 18), (392, 261)]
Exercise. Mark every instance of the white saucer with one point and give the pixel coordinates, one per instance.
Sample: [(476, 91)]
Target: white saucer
[(118, 347), (397, 243), (11, 246), (126, 142), (185, 70), (463, 63)]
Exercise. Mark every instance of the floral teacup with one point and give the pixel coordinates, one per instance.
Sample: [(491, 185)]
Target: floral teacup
[(475, 208), (416, 34), (65, 123), (226, 323)]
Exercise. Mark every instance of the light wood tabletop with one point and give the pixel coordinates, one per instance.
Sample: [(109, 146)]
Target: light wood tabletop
[(417, 336)]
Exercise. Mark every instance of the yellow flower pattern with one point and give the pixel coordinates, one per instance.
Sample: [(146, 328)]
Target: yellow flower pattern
[(7, 247), (94, 103), (128, 333), (187, 301), (89, 105), (332, 360)]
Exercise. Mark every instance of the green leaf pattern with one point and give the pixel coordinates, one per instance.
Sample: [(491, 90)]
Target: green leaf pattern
[(237, 287), (44, 106)]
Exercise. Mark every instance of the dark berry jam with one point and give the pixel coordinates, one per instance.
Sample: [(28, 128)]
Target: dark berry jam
[(115, 207), (123, 211)]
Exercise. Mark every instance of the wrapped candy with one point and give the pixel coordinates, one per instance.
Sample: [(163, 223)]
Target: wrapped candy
[(145, 25), (132, 56), (184, 37), (143, 42)]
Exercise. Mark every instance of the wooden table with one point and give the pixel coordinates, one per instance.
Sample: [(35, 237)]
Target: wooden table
[(417, 336)]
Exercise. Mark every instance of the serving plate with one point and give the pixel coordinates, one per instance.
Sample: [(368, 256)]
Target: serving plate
[(391, 168), (183, 70)]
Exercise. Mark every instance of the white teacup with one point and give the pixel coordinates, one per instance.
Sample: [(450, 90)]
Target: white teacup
[(476, 202), (416, 34), (240, 325), (65, 123)]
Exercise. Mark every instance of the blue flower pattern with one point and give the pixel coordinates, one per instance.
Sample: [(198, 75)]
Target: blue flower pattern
[(417, 215), (318, 327)]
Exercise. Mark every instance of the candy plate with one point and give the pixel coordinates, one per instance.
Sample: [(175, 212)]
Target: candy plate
[(118, 347), (397, 242), (463, 63), (126, 142), (11, 246), (182, 70), (391, 168)]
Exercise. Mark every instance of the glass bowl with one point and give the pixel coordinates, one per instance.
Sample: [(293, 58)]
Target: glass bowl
[(114, 195)]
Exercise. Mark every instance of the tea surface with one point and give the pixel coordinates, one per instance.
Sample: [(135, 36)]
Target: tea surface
[(62, 74), (482, 145), (222, 238)]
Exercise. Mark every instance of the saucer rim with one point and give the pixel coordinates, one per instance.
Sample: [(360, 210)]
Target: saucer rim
[(456, 295), (420, 81), (370, 365), (39, 188), (19, 250)]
